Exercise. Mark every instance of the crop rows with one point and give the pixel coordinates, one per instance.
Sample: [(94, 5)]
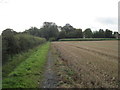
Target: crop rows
[(95, 62)]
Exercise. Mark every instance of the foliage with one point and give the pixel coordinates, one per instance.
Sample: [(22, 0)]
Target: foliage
[(68, 31), (13, 62), (51, 30), (33, 31), (99, 34), (27, 74), (14, 43), (68, 28), (62, 34), (88, 33), (48, 30), (108, 33)]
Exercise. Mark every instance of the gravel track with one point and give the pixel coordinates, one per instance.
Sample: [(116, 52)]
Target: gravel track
[(49, 75)]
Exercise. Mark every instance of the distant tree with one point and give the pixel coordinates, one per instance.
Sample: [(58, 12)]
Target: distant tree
[(78, 33), (33, 31), (68, 28), (49, 30), (88, 33), (99, 34), (116, 35), (108, 33), (62, 34), (95, 34), (71, 32)]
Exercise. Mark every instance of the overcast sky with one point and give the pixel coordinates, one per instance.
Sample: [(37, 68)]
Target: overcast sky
[(95, 14)]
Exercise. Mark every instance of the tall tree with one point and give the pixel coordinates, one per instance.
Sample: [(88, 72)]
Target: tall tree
[(62, 34), (33, 31), (108, 33), (88, 33), (8, 43), (68, 28), (49, 30), (101, 33), (78, 33)]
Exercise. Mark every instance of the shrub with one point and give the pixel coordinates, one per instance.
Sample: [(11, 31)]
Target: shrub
[(14, 44)]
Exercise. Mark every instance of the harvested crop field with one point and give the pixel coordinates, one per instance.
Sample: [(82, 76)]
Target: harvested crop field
[(95, 62)]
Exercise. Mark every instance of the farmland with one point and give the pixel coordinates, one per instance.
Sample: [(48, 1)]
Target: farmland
[(95, 63), (87, 39)]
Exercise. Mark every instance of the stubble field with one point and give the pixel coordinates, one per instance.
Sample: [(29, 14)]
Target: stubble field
[(94, 62)]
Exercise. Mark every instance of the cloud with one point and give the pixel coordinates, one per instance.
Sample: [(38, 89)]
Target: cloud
[(3, 1), (108, 20)]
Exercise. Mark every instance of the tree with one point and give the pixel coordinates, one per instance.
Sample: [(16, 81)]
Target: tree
[(99, 34), (78, 33), (88, 33), (49, 30), (71, 32), (62, 34), (95, 34), (8, 40), (108, 33), (68, 28), (14, 43), (8, 43), (33, 31), (116, 35), (8, 32)]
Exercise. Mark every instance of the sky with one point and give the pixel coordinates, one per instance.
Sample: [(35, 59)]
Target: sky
[(23, 14)]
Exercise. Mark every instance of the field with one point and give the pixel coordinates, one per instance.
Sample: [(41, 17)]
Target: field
[(95, 63), (87, 39)]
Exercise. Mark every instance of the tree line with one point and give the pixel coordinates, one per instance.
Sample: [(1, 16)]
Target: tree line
[(14, 43), (52, 32)]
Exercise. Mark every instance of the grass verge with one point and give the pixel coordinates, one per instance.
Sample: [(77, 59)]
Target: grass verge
[(16, 60), (29, 73)]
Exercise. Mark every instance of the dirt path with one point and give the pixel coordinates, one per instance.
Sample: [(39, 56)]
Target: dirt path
[(50, 77)]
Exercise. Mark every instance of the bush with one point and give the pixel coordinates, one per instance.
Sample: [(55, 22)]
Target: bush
[(17, 43)]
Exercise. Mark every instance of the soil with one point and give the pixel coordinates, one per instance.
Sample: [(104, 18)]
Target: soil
[(82, 65), (96, 63)]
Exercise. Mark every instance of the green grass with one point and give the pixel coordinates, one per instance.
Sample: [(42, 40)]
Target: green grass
[(30, 71), (87, 39), (15, 61)]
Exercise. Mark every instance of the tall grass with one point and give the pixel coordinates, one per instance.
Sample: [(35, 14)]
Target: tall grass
[(14, 61)]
